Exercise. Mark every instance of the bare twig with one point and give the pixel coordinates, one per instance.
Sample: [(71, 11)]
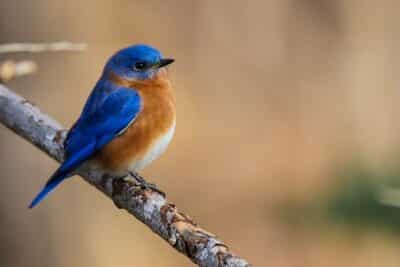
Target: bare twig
[(10, 69), (150, 207), (41, 47)]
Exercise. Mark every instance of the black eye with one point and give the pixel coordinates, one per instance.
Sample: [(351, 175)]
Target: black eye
[(140, 65)]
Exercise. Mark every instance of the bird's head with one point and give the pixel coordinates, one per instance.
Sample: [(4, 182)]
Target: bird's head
[(137, 62)]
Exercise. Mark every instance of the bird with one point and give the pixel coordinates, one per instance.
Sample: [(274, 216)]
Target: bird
[(127, 121)]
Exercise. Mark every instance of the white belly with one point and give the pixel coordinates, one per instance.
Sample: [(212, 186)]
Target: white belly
[(155, 151)]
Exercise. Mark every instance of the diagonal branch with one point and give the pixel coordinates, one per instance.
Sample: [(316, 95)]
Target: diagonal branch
[(150, 207)]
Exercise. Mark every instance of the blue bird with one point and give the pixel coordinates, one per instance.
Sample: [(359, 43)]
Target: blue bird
[(127, 121)]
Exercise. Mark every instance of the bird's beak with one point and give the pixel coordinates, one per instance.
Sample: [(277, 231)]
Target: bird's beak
[(164, 62)]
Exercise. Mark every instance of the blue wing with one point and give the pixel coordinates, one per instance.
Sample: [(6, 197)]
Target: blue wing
[(95, 128)]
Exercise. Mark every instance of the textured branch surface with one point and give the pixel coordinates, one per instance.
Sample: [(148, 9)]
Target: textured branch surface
[(150, 207)]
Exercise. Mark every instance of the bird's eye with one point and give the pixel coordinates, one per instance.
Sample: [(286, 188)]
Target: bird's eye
[(140, 65)]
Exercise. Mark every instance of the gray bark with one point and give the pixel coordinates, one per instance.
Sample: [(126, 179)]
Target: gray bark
[(150, 207)]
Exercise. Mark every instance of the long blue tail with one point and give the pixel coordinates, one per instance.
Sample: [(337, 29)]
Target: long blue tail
[(52, 183), (61, 173)]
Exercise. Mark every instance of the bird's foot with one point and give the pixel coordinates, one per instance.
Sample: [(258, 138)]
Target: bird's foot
[(140, 181)]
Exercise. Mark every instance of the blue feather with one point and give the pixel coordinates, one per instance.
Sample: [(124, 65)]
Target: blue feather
[(50, 185), (102, 119)]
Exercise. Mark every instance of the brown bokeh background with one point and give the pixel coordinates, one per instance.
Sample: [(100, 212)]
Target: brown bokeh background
[(272, 96)]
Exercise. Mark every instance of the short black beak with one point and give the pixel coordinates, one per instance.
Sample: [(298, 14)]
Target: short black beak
[(165, 61)]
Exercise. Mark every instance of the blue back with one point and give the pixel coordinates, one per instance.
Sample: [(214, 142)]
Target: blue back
[(107, 112)]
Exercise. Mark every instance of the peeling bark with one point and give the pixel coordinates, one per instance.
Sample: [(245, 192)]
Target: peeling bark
[(150, 207)]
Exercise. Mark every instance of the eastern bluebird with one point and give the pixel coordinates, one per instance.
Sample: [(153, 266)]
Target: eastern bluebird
[(127, 121)]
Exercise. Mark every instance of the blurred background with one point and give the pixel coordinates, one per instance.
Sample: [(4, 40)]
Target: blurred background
[(287, 138)]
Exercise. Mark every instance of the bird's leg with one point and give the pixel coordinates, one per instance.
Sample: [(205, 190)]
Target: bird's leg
[(117, 185), (142, 182)]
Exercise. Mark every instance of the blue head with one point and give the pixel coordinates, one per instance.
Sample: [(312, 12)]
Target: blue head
[(137, 62)]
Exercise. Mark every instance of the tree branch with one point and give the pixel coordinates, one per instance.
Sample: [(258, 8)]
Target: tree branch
[(41, 47), (150, 207), (10, 69)]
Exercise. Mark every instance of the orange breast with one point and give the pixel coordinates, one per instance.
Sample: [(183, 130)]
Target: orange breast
[(154, 120)]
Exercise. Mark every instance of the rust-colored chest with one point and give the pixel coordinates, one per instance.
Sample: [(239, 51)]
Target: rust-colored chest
[(155, 121)]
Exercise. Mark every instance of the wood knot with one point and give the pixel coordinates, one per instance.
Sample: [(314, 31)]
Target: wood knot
[(58, 137), (117, 187)]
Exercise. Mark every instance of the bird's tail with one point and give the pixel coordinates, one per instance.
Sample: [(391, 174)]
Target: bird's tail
[(52, 183)]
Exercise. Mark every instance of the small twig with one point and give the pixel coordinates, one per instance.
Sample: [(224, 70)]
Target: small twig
[(41, 47), (10, 69)]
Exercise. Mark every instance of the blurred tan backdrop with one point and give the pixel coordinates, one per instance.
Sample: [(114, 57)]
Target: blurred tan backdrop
[(272, 96)]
